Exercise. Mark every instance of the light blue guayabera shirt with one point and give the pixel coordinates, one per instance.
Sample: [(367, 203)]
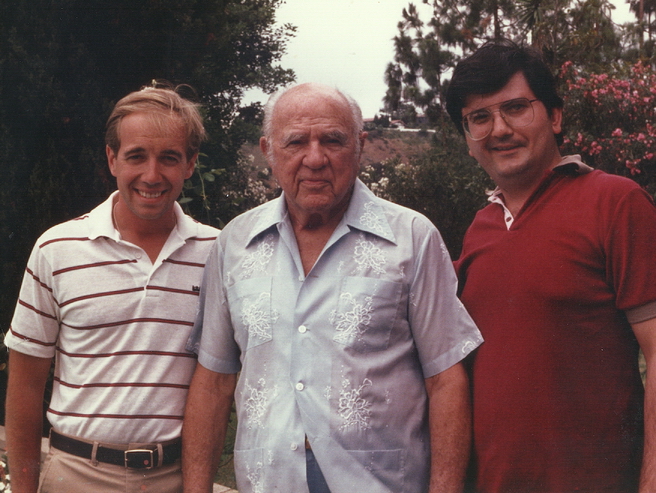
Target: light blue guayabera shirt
[(339, 355)]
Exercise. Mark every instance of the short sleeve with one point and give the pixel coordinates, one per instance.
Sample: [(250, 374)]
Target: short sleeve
[(443, 331), (212, 337), (631, 250), (35, 326)]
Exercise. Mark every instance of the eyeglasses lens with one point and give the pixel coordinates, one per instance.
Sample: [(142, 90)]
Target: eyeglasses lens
[(516, 113)]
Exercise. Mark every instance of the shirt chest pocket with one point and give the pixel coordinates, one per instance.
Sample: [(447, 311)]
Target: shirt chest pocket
[(251, 311), (367, 311)]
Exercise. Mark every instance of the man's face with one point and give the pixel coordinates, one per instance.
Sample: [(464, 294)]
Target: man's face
[(314, 153), (151, 165), (516, 156)]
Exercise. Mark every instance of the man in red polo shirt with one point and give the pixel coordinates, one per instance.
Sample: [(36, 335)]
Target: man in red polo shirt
[(557, 273)]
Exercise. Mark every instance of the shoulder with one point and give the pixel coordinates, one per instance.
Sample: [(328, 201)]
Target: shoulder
[(606, 191), (204, 231), (77, 229), (401, 219), (258, 218), (609, 181)]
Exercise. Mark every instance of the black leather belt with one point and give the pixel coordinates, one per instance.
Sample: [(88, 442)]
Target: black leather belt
[(142, 458)]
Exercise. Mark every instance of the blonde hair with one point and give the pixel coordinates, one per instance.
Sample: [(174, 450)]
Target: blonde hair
[(163, 104)]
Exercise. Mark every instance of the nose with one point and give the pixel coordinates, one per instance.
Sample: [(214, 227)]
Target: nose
[(499, 124), (315, 157), (151, 174)]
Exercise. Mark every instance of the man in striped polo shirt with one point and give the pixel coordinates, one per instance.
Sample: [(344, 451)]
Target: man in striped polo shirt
[(112, 296)]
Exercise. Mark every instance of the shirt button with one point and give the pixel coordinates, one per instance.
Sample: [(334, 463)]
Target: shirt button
[(300, 386), (293, 446), (302, 329)]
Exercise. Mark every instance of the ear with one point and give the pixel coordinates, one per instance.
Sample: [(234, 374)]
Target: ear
[(264, 146), (363, 139), (111, 160), (556, 120), (191, 166)]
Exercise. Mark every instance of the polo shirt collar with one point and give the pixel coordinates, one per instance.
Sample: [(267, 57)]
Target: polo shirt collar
[(364, 213), (101, 223), (572, 165), (568, 165)]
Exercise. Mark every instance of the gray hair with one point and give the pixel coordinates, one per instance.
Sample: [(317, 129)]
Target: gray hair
[(354, 107)]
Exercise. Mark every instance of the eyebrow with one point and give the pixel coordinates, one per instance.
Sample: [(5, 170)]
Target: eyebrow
[(487, 108), (285, 140), (172, 152), (166, 152), (337, 134)]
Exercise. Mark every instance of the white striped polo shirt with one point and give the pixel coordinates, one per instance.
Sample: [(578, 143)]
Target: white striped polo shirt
[(116, 324)]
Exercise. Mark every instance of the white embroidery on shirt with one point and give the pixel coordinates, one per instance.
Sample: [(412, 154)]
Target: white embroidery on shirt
[(258, 260), (256, 403), (370, 219), (468, 347), (270, 460), (255, 477), (352, 324), (411, 299), (257, 316), (353, 408), (328, 392), (445, 251), (367, 254)]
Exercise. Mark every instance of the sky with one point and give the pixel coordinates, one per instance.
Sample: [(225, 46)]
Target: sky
[(347, 44)]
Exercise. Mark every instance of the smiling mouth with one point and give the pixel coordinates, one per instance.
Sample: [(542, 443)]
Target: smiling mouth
[(505, 147), (150, 195)]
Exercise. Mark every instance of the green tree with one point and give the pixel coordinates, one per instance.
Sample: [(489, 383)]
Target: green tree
[(444, 183), (426, 51), (64, 63)]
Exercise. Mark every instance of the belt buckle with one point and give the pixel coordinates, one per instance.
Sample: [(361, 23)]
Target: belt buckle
[(139, 458)]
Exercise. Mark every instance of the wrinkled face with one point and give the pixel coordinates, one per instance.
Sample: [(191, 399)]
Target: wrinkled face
[(516, 155), (314, 153), (151, 165)]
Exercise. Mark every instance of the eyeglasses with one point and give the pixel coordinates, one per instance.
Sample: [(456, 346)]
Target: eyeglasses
[(515, 112)]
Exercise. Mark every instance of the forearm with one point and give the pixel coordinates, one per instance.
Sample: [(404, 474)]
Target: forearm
[(648, 474), (450, 429), (645, 332), (205, 423), (24, 420)]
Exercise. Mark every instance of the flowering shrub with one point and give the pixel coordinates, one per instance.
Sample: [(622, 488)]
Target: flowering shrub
[(444, 183), (609, 119), (4, 476), (216, 195)]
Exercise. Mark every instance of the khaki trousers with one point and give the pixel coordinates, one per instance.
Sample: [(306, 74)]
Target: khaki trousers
[(66, 473)]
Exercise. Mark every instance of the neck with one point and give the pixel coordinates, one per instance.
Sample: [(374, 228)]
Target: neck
[(128, 223), (312, 232), (518, 189), (148, 234)]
